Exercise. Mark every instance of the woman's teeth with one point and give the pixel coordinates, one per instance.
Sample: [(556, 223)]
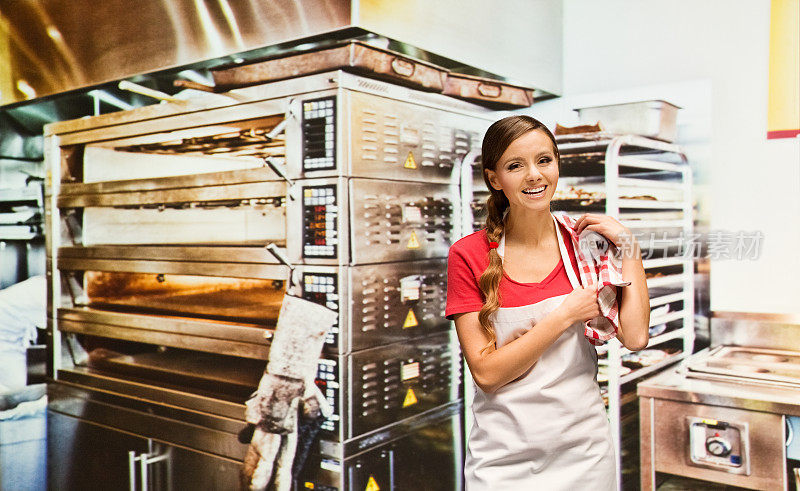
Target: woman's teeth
[(534, 191)]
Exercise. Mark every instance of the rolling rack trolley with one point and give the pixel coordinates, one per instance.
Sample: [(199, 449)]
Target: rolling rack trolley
[(647, 185)]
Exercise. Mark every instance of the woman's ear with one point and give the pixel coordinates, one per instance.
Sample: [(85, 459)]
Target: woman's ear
[(491, 176)]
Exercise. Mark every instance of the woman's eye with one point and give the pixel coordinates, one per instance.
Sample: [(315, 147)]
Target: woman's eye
[(514, 165), (545, 161)]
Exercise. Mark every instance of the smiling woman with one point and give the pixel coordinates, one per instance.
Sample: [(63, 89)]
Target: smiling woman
[(522, 318)]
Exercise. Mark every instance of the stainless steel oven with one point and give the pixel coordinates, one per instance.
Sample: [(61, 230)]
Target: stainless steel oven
[(726, 413), (173, 231)]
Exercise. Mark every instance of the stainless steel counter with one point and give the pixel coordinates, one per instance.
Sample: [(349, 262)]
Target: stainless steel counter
[(674, 385)]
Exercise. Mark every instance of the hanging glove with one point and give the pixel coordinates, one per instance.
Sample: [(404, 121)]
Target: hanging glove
[(288, 379), (269, 408)]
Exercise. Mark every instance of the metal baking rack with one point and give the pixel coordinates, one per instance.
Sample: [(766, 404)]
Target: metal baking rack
[(627, 163)]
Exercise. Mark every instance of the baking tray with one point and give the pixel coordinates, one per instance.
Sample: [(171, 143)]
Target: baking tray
[(355, 56), (488, 92)]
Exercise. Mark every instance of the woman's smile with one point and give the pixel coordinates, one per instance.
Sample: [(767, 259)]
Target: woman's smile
[(535, 193)]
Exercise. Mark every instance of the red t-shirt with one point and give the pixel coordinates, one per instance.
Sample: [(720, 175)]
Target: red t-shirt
[(466, 262)]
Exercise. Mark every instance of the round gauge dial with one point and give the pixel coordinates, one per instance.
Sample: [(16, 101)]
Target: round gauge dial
[(718, 446)]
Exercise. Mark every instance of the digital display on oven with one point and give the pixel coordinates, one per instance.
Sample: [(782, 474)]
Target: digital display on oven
[(320, 212), (322, 288), (319, 134)]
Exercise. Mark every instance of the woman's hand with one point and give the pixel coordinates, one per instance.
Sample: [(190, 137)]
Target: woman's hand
[(608, 227), (634, 299), (580, 305)]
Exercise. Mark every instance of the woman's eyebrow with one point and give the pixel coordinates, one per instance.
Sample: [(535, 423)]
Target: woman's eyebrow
[(517, 157)]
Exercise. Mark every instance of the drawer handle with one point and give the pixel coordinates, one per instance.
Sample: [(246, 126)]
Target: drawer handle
[(489, 90), (144, 461), (402, 67)]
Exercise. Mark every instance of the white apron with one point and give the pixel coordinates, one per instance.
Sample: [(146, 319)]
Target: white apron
[(548, 429)]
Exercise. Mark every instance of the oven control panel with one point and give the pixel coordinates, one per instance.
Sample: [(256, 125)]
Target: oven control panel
[(319, 134), (320, 214), (718, 444)]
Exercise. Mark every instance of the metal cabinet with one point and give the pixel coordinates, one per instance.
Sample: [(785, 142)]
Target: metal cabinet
[(83, 455)]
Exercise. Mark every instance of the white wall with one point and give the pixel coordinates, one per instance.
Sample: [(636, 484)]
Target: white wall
[(709, 56)]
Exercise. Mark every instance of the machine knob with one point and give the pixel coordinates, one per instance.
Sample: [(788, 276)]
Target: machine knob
[(718, 447)]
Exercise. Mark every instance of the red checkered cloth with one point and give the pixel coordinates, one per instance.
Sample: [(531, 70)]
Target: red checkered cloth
[(605, 271)]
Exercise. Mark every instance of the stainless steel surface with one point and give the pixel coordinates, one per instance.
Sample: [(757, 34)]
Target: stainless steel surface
[(106, 466), (402, 134), (399, 222), (720, 445), (775, 331), (174, 311), (353, 55), (252, 103), (652, 119), (186, 427), (675, 385), (92, 380), (397, 140), (751, 382), (380, 303), (393, 301), (746, 364), (52, 51), (647, 449), (423, 453), (492, 93), (179, 139), (376, 387), (670, 430)]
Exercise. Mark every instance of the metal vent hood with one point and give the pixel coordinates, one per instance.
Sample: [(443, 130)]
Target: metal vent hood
[(50, 47)]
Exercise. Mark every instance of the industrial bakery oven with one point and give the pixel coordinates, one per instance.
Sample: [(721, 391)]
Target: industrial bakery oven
[(174, 230)]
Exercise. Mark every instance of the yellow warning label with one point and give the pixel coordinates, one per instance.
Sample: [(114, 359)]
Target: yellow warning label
[(413, 241), (372, 485), (410, 398), (411, 320), (309, 485), (410, 163)]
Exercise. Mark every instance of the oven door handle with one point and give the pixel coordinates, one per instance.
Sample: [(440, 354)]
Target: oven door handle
[(281, 171), (294, 284)]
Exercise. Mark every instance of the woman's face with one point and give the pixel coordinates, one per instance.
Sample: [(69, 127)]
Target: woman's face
[(527, 172)]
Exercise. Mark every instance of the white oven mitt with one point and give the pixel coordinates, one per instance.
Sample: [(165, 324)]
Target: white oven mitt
[(288, 380)]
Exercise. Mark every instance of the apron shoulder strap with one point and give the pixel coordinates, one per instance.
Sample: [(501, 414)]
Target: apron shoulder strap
[(573, 277)]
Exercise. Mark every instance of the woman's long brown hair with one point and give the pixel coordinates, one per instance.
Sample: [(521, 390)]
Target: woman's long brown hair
[(497, 139)]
